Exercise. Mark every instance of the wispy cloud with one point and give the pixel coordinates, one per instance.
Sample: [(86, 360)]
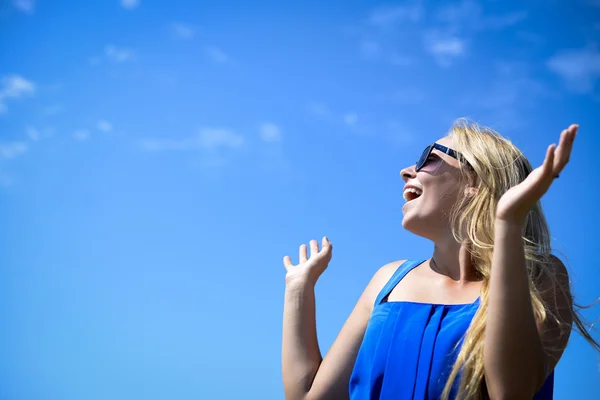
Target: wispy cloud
[(579, 68), (350, 119), (104, 126), (510, 96), (445, 30), (35, 134), (27, 6), (119, 54), (445, 49), (14, 86), (270, 132), (207, 139), (130, 4), (81, 135), (12, 150), (385, 17), (183, 31), (218, 55), (468, 15)]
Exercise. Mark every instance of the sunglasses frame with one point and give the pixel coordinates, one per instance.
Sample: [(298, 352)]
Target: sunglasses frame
[(446, 150)]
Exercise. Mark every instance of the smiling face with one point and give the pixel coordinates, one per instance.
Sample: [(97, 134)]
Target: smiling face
[(431, 193)]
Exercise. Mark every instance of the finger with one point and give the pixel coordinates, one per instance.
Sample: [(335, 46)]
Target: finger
[(302, 253), (327, 246), (565, 147), (287, 262), (314, 248), (548, 166)]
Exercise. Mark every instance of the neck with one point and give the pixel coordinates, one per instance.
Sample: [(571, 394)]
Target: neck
[(453, 259)]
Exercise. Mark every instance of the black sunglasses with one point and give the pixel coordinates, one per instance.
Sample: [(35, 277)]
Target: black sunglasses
[(452, 153)]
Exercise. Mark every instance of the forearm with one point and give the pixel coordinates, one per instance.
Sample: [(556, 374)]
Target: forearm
[(301, 356), (513, 352)]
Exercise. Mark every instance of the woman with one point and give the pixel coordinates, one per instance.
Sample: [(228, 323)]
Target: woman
[(418, 329)]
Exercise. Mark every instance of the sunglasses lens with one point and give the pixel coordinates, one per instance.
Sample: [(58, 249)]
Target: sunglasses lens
[(423, 158)]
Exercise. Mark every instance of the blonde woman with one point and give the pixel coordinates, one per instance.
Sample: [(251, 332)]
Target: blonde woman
[(487, 316)]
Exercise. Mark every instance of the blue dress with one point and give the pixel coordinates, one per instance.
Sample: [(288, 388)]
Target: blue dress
[(409, 348)]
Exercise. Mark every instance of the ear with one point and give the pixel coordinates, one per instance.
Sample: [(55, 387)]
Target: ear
[(470, 191)]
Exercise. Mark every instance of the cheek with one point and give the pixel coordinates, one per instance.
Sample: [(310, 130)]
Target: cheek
[(432, 167)]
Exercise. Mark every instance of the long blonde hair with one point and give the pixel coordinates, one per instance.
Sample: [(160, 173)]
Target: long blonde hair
[(497, 165)]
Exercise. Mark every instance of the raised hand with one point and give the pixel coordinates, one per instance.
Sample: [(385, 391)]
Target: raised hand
[(516, 203), (309, 269)]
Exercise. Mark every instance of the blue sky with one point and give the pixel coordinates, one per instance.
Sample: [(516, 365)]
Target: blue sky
[(158, 161)]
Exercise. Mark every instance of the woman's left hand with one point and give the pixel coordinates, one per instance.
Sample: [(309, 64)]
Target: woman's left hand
[(516, 203)]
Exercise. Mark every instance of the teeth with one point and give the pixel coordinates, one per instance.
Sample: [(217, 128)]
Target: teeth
[(411, 190)]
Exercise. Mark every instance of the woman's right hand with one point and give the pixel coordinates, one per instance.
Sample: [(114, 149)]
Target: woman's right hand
[(308, 269)]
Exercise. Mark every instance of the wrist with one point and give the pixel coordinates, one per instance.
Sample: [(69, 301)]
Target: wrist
[(509, 225), (299, 283)]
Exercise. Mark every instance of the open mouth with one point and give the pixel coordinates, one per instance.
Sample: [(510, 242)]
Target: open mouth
[(411, 193)]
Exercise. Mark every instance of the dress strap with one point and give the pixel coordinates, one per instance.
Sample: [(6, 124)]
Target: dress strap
[(400, 273)]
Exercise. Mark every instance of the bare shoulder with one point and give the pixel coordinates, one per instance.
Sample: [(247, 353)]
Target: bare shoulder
[(379, 279)]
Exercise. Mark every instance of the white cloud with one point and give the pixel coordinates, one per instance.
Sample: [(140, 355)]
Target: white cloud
[(350, 119), (270, 132), (208, 139), (130, 4), (218, 55), (119, 54), (104, 126), (502, 21), (27, 6), (81, 135), (459, 12), (215, 138), (445, 49), (14, 86), (469, 15), (387, 16), (579, 68), (183, 31), (33, 133), (12, 150)]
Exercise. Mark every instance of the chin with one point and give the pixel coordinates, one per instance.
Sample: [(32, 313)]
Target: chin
[(419, 226)]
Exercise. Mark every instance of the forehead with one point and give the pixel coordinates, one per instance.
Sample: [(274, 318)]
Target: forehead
[(447, 141)]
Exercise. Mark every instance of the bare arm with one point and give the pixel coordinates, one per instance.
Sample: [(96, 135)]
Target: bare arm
[(306, 376), (515, 362), (515, 359)]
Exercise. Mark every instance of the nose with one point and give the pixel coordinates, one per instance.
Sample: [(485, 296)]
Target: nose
[(408, 173)]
